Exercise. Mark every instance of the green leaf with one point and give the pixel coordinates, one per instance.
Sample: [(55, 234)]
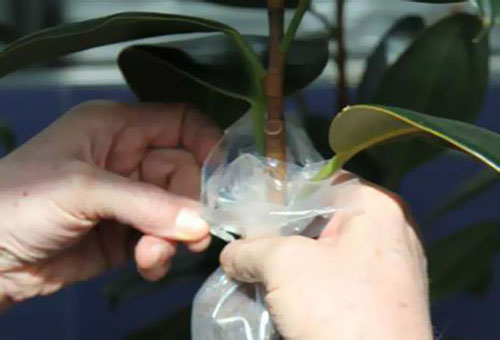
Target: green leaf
[(444, 74), (251, 3), (360, 127), (464, 260), (7, 34), (7, 139), (489, 11), (392, 44), (467, 190), (317, 127), (211, 73), (292, 29), (74, 37)]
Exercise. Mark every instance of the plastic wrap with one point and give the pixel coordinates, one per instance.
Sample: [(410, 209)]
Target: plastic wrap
[(235, 191)]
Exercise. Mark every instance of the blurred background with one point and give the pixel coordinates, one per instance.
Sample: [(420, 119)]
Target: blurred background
[(32, 99)]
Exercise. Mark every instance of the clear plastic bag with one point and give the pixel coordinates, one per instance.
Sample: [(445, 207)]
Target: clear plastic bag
[(235, 190)]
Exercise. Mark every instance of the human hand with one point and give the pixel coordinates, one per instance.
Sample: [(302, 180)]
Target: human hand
[(69, 196), (364, 278)]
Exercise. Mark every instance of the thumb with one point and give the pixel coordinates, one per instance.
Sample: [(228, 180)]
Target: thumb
[(260, 260), (146, 207)]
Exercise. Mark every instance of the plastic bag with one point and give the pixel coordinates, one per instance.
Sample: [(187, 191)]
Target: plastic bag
[(235, 190)]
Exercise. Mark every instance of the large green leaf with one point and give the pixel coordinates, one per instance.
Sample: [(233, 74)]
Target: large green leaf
[(360, 127), (211, 73), (392, 44), (7, 34), (75, 37), (444, 74), (7, 139), (464, 260), (251, 3), (317, 127), (466, 191)]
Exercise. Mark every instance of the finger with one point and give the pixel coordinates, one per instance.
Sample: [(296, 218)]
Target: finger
[(358, 199), (259, 260), (199, 246), (143, 206), (141, 126), (369, 214), (185, 181), (153, 256), (152, 125), (354, 193), (199, 134), (173, 169)]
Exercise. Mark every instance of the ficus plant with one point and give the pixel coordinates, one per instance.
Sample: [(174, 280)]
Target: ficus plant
[(405, 110)]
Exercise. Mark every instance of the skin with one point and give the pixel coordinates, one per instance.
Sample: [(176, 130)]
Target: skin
[(364, 278), (105, 183)]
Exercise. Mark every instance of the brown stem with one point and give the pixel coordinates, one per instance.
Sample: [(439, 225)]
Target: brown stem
[(343, 92), (275, 132)]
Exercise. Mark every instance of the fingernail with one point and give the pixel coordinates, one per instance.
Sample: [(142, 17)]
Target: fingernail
[(160, 271), (159, 253), (156, 273), (190, 226)]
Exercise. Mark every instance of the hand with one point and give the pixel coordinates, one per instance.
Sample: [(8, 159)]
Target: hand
[(69, 196), (365, 278)]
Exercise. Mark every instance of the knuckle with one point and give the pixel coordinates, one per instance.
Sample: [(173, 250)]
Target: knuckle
[(383, 200), (79, 175), (151, 205)]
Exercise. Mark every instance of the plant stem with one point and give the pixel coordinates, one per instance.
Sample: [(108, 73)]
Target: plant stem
[(343, 92), (274, 82), (275, 132)]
